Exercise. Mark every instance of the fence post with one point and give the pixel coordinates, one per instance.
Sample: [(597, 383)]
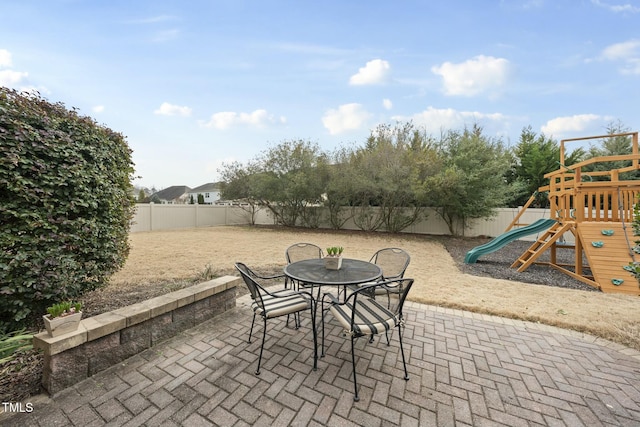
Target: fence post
[(151, 216)]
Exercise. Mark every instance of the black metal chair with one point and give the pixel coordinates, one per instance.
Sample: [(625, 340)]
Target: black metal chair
[(394, 263), (269, 305), (362, 315), (300, 252)]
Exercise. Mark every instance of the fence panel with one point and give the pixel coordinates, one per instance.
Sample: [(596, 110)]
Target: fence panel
[(151, 217)]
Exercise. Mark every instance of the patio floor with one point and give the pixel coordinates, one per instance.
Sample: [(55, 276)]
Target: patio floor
[(465, 370)]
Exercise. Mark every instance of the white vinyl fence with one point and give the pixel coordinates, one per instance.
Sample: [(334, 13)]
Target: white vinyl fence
[(153, 217)]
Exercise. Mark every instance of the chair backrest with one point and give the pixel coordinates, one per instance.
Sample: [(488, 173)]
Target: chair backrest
[(249, 278), (392, 261), (404, 288), (302, 251)]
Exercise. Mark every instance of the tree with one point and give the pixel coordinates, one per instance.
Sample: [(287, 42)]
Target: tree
[(141, 196), (292, 182), (470, 183), (239, 183), (339, 188), (288, 179), (384, 171), (535, 156), (612, 146), (67, 203), (200, 199)]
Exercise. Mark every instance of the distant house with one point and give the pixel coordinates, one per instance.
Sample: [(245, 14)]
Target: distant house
[(210, 193), (174, 195)]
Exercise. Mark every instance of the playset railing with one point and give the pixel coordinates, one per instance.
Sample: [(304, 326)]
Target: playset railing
[(585, 192)]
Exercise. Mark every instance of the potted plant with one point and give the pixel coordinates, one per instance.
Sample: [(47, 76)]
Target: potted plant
[(62, 318), (333, 260)]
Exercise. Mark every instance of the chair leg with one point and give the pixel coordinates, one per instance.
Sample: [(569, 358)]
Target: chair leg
[(404, 362), (322, 314), (296, 319), (314, 329), (353, 362), (251, 330), (264, 335)]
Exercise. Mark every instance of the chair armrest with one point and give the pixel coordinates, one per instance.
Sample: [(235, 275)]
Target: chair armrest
[(279, 293), (370, 288), (332, 298), (275, 276)]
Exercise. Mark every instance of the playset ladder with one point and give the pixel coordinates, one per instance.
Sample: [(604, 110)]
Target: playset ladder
[(541, 245)]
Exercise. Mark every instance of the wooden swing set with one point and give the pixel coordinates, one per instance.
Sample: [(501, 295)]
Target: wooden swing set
[(597, 208)]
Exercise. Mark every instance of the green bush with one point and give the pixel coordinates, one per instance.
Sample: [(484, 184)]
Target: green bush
[(65, 205)]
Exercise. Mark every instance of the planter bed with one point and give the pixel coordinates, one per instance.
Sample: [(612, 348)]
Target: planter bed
[(109, 338)]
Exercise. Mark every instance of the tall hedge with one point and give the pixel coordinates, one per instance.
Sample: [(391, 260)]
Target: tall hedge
[(66, 203)]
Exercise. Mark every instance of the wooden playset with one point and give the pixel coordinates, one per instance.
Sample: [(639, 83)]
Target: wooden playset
[(597, 207)]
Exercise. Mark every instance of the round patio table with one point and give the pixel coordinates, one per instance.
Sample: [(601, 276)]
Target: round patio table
[(352, 272), (313, 272)]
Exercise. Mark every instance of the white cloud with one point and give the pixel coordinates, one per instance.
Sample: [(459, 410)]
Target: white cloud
[(474, 76), (16, 79), (258, 118), (387, 104), (622, 50), (575, 123), (374, 72), (628, 52), (435, 120), (10, 78), (167, 109), (347, 117), (5, 58), (617, 8), (98, 109)]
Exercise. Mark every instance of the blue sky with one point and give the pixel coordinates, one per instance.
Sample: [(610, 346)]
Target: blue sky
[(193, 84)]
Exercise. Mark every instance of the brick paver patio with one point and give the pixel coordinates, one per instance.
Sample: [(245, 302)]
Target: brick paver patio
[(465, 370)]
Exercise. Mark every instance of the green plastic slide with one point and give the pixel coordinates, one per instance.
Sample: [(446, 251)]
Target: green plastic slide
[(502, 240)]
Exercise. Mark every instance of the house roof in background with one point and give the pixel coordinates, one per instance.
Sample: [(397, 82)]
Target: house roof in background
[(173, 192), (210, 186)]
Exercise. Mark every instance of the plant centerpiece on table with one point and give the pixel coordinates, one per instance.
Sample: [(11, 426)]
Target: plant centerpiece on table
[(333, 259), (62, 318)]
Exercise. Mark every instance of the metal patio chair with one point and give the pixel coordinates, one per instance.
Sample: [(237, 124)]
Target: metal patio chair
[(299, 252), (302, 251), (362, 315), (394, 263), (269, 305)]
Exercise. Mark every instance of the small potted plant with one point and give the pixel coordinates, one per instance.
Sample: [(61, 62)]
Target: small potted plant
[(62, 318), (333, 260)]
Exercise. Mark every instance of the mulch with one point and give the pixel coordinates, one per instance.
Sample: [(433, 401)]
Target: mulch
[(498, 264)]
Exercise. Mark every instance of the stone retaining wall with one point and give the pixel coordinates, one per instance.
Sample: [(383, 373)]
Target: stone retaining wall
[(109, 338)]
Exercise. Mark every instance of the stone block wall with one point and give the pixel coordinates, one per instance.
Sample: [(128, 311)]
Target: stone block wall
[(109, 338)]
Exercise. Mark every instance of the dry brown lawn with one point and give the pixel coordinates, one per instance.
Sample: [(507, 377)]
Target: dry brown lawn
[(165, 256)]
